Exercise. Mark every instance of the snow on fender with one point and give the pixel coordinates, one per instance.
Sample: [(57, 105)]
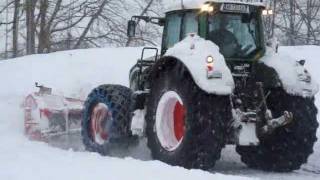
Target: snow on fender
[(193, 52), (295, 78)]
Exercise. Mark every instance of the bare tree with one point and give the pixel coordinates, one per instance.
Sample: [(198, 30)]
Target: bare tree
[(43, 26), (89, 25), (43, 34), (15, 28), (30, 6)]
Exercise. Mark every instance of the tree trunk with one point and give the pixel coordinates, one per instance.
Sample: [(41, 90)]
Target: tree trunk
[(30, 25), (44, 40), (15, 28), (292, 23), (309, 20), (273, 25)]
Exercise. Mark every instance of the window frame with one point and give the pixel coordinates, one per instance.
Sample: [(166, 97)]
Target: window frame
[(182, 13), (261, 49)]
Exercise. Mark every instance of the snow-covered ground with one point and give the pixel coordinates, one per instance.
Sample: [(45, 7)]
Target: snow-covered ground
[(75, 73)]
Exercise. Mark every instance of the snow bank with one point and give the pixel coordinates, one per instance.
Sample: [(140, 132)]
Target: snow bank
[(74, 73), (26, 160), (193, 51), (68, 72)]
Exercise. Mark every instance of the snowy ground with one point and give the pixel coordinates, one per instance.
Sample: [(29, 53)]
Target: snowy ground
[(75, 73)]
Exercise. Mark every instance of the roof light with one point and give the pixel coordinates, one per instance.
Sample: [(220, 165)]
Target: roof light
[(267, 12), (207, 8), (270, 11)]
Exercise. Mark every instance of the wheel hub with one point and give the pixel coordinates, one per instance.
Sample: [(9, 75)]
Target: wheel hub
[(170, 121), (100, 116)]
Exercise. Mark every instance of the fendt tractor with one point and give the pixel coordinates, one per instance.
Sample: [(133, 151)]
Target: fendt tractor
[(215, 82)]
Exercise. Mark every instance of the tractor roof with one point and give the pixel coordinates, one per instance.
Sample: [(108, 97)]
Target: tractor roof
[(196, 4)]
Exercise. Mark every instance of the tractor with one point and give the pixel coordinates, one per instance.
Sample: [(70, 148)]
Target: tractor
[(215, 82)]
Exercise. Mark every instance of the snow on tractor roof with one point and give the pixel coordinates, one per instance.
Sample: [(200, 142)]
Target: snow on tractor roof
[(197, 4)]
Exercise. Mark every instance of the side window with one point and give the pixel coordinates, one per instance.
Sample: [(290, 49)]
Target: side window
[(173, 29), (190, 24)]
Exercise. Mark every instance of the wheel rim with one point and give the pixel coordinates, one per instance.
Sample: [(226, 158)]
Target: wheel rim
[(100, 117), (170, 121)]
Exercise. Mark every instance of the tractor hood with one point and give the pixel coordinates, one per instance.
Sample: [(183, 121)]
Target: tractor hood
[(205, 63)]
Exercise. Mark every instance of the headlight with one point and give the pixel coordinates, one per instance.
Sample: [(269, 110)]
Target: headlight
[(210, 59), (211, 71), (207, 8)]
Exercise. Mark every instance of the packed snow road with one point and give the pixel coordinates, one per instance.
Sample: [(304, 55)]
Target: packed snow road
[(75, 73)]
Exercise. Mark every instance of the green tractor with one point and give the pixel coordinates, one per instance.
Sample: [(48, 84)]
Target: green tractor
[(215, 82)]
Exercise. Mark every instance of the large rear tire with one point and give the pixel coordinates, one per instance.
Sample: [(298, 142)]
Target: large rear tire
[(185, 125), (106, 119), (288, 147)]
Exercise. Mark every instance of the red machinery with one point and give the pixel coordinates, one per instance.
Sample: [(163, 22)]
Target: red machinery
[(48, 115)]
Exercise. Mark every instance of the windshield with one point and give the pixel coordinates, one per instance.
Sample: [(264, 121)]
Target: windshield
[(237, 35)]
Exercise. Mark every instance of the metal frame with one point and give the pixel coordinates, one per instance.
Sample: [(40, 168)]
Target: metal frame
[(143, 63)]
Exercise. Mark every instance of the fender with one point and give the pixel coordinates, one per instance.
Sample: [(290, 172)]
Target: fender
[(193, 53), (295, 78)]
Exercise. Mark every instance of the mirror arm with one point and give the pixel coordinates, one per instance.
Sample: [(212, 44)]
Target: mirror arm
[(153, 20)]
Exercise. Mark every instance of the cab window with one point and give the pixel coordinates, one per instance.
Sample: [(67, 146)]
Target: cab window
[(190, 24), (173, 29)]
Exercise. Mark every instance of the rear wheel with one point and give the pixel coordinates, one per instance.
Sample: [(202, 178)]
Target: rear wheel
[(107, 117), (185, 125), (288, 147)]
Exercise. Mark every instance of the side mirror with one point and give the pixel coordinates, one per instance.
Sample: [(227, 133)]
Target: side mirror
[(131, 31)]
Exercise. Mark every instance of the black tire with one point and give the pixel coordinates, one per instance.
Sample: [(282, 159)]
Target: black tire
[(118, 99), (288, 147), (206, 119)]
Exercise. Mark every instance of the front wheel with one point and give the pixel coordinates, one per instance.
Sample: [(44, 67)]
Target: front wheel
[(288, 147), (185, 125)]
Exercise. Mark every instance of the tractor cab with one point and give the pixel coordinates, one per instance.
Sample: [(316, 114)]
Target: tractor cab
[(235, 27)]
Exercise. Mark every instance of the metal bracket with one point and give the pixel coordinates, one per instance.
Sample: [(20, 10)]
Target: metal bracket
[(273, 124)]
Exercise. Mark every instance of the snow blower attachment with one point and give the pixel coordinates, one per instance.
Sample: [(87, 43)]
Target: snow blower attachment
[(47, 115), (214, 83)]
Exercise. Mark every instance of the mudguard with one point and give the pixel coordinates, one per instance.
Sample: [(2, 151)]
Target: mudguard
[(295, 78), (193, 52)]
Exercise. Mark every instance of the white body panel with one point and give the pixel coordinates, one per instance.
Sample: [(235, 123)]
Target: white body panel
[(248, 134), (138, 122), (193, 52)]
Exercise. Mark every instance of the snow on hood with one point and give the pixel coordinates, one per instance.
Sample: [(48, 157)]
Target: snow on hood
[(290, 73), (196, 4), (193, 52)]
